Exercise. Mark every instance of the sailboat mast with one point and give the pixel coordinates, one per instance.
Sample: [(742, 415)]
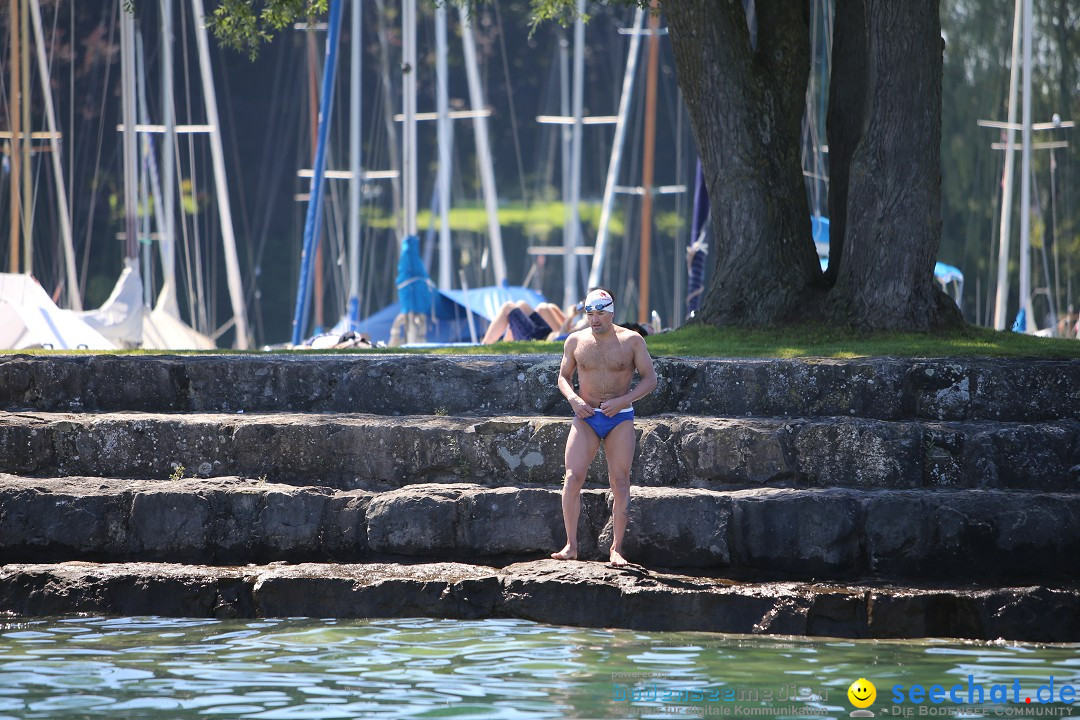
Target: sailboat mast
[(27, 179), (1005, 228), (1025, 179), (167, 243), (442, 103), (356, 181), (392, 146), (483, 148), (15, 122), (72, 282), (572, 241), (232, 263), (408, 87), (313, 115), (648, 162), (130, 151), (600, 251), (144, 174), (313, 220), (565, 136)]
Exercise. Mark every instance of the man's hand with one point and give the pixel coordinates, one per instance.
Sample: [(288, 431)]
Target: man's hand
[(613, 407), (581, 408)]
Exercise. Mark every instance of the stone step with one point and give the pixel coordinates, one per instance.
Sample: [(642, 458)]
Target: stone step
[(583, 593), (379, 452), (988, 536), (882, 388)]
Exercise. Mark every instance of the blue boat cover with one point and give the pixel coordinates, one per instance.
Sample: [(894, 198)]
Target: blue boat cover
[(1020, 323), (819, 228), (413, 281), (943, 273), (450, 322)]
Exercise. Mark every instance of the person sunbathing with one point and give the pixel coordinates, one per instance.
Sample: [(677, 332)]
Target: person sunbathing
[(520, 321)]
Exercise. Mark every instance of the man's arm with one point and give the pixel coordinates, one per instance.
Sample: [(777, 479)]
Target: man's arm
[(566, 379), (646, 384)]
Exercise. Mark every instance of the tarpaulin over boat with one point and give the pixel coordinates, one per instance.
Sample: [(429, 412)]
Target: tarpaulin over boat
[(448, 311), (30, 319)]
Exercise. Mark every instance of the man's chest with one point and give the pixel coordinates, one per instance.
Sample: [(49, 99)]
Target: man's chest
[(595, 358)]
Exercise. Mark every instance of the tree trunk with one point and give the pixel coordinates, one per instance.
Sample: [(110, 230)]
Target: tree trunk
[(892, 225), (746, 106), (847, 113)]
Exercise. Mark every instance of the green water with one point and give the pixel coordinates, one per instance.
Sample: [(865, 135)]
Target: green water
[(167, 668)]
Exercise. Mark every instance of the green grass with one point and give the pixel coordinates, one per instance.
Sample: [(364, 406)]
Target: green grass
[(787, 342), (824, 342), (803, 341), (542, 219)]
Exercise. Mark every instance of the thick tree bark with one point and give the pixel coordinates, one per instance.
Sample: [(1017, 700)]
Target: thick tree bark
[(746, 107), (892, 225), (847, 113)]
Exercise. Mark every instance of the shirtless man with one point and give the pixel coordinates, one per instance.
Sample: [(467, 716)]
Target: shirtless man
[(605, 357)]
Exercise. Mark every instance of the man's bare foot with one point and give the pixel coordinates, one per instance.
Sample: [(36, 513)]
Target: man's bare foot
[(567, 553), (617, 560)]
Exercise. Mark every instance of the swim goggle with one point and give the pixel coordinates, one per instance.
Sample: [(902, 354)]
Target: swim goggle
[(597, 306)]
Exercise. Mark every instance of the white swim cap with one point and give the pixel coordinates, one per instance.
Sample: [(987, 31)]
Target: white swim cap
[(599, 301)]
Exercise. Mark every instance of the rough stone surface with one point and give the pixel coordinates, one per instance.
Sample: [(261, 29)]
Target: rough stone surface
[(448, 590), (676, 528), (948, 535), (379, 452), (464, 521), (882, 388), (1008, 535), (803, 533), (125, 589), (582, 593), (780, 474), (219, 520)]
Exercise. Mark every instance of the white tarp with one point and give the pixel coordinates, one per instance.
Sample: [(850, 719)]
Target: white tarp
[(120, 319), (30, 319), (162, 330)]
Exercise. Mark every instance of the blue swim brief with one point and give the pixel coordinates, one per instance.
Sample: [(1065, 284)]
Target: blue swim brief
[(602, 424)]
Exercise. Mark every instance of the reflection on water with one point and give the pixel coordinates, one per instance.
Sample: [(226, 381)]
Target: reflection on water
[(168, 668)]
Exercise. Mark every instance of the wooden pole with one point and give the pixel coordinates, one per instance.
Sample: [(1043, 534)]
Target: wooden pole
[(313, 109), (648, 161), (27, 188)]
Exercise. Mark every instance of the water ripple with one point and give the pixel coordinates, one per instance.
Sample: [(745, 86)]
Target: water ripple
[(163, 668)]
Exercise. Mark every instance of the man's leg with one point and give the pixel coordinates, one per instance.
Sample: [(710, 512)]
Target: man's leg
[(498, 325), (619, 451), (552, 315), (501, 321), (581, 448)]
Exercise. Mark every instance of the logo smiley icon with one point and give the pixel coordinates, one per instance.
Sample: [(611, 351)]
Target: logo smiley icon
[(862, 694)]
